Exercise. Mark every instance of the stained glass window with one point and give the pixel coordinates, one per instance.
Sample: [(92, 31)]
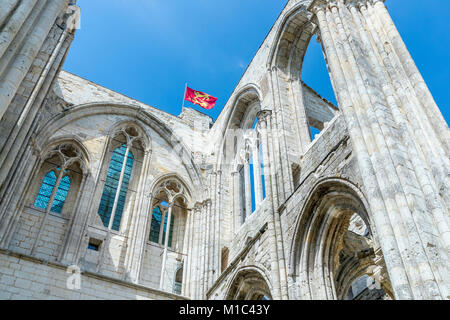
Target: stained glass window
[(45, 192), (172, 220), (156, 225), (61, 194), (111, 187)]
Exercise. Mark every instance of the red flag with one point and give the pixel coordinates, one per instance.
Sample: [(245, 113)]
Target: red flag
[(202, 99)]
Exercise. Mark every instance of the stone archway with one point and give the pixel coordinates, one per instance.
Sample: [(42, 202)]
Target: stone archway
[(335, 244), (249, 284)]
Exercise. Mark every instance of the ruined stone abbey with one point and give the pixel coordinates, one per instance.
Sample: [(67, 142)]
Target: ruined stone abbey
[(105, 197)]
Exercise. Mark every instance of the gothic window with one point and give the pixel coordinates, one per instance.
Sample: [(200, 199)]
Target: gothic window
[(252, 188), (157, 229), (242, 193), (113, 197), (120, 177), (46, 189), (263, 182), (55, 184), (168, 226), (56, 189)]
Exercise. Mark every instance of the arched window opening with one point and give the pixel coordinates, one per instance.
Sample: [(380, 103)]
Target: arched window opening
[(167, 228), (320, 105), (62, 166), (46, 190), (56, 188), (120, 177), (113, 198), (157, 228), (263, 181), (336, 221), (249, 285), (178, 283), (366, 288)]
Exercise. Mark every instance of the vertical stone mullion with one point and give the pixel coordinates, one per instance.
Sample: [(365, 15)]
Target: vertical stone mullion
[(248, 188), (69, 230), (257, 173), (138, 230), (236, 200), (166, 244), (186, 246), (218, 227), (196, 255), (264, 118), (209, 243), (276, 133)]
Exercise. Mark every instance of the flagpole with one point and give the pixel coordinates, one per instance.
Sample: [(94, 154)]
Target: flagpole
[(184, 96)]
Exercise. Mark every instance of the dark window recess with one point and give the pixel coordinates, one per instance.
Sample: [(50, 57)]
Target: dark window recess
[(94, 244)]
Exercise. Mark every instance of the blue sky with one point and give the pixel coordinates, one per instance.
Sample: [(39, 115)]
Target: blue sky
[(149, 49)]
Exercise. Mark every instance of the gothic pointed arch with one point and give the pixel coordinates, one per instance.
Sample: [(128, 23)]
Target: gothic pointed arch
[(334, 242), (249, 283)]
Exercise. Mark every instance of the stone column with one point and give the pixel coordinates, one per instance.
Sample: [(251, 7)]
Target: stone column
[(236, 199), (428, 105), (270, 180), (257, 178), (73, 217), (217, 229), (166, 244), (382, 152), (138, 231)]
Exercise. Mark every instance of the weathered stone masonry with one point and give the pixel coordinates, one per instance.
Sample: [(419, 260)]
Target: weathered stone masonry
[(105, 197)]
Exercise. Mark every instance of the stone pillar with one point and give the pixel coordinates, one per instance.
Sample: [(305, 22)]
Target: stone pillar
[(270, 181), (385, 153), (138, 231), (257, 178), (217, 229), (27, 70), (248, 188), (166, 244), (427, 104)]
